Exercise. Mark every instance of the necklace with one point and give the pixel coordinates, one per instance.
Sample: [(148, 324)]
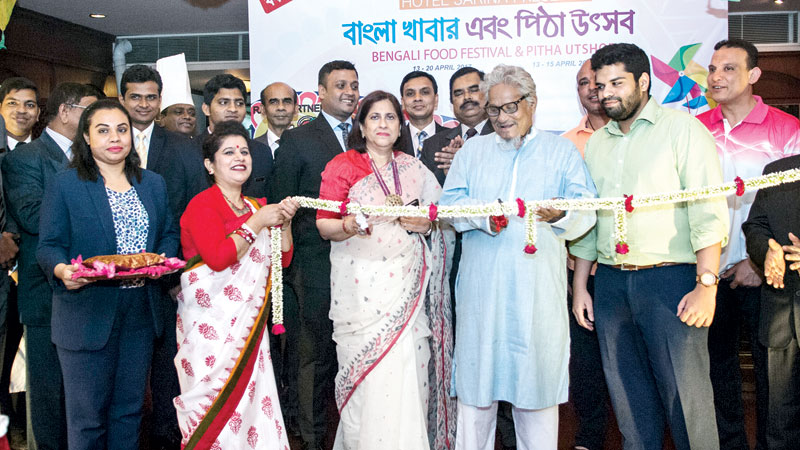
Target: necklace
[(391, 199), (239, 211), (589, 121)]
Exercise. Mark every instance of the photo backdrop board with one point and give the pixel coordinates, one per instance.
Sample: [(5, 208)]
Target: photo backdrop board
[(385, 39)]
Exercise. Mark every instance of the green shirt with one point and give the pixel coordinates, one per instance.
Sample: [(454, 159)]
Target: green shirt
[(666, 150)]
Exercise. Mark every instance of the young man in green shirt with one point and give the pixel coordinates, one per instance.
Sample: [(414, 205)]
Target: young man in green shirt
[(654, 303)]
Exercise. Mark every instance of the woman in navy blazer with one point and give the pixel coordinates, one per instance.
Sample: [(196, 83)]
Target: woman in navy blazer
[(104, 331)]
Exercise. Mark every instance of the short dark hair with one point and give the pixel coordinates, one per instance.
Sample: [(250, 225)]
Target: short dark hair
[(752, 51), (222, 81), (214, 140), (17, 84), (632, 57), (418, 74), (356, 140), (139, 74), (329, 67), (460, 73), (83, 160), (66, 94), (264, 93)]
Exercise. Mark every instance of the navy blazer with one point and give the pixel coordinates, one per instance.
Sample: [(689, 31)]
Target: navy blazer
[(26, 172), (76, 220)]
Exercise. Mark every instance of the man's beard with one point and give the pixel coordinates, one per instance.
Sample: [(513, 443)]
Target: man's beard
[(625, 108), (515, 142)]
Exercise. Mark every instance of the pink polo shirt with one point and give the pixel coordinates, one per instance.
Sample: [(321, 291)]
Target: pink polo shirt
[(766, 134)]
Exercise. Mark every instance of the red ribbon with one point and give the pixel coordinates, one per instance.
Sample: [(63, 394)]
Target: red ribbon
[(739, 186), (521, 206), (433, 212), (628, 203), (622, 248), (530, 249), (343, 207)]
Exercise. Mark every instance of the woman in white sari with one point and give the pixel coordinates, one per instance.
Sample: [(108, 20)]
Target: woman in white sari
[(380, 271), (228, 398)]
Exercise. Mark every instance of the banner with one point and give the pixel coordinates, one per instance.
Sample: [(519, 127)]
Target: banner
[(291, 39)]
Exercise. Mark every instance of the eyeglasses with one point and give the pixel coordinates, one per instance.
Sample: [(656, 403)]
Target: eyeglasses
[(508, 108), (72, 105)]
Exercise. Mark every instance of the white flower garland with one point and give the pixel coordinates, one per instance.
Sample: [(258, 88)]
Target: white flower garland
[(276, 273), (616, 204)]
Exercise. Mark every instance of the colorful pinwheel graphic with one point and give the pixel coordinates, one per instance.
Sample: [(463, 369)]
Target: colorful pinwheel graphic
[(687, 78)]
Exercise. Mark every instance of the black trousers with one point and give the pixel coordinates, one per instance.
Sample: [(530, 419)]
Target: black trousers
[(284, 357), (316, 354), (587, 384), (164, 384), (736, 307), (47, 418), (784, 396), (10, 336)]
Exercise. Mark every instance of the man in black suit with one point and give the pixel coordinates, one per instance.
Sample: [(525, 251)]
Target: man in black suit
[(468, 102), (768, 231), (419, 95), (224, 99), (278, 108), (172, 156), (299, 162), (26, 171)]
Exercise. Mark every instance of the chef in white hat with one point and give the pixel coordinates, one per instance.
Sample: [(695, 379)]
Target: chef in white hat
[(178, 113)]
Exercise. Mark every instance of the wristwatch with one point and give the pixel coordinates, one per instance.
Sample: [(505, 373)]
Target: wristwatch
[(707, 279)]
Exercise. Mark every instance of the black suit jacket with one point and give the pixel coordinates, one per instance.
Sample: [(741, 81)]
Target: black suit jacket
[(440, 140), (773, 215), (258, 184), (172, 156), (299, 161), (26, 172)]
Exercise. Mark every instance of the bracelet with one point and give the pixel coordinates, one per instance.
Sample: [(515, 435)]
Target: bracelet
[(244, 235), (249, 230), (430, 228)]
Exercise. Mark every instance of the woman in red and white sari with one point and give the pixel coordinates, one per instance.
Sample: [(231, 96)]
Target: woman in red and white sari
[(380, 272), (229, 398)]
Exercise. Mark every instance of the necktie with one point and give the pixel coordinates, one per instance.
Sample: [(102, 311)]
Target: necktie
[(141, 150), (345, 127), (421, 136), (471, 133)]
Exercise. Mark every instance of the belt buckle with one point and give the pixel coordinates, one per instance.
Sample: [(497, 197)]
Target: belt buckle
[(628, 267)]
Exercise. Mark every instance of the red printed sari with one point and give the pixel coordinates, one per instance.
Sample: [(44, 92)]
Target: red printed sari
[(229, 398)]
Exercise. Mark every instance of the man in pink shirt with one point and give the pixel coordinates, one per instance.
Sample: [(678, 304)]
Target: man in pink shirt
[(749, 135), (588, 391)]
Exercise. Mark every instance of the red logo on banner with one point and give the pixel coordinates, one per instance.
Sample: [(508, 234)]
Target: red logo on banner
[(272, 5)]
